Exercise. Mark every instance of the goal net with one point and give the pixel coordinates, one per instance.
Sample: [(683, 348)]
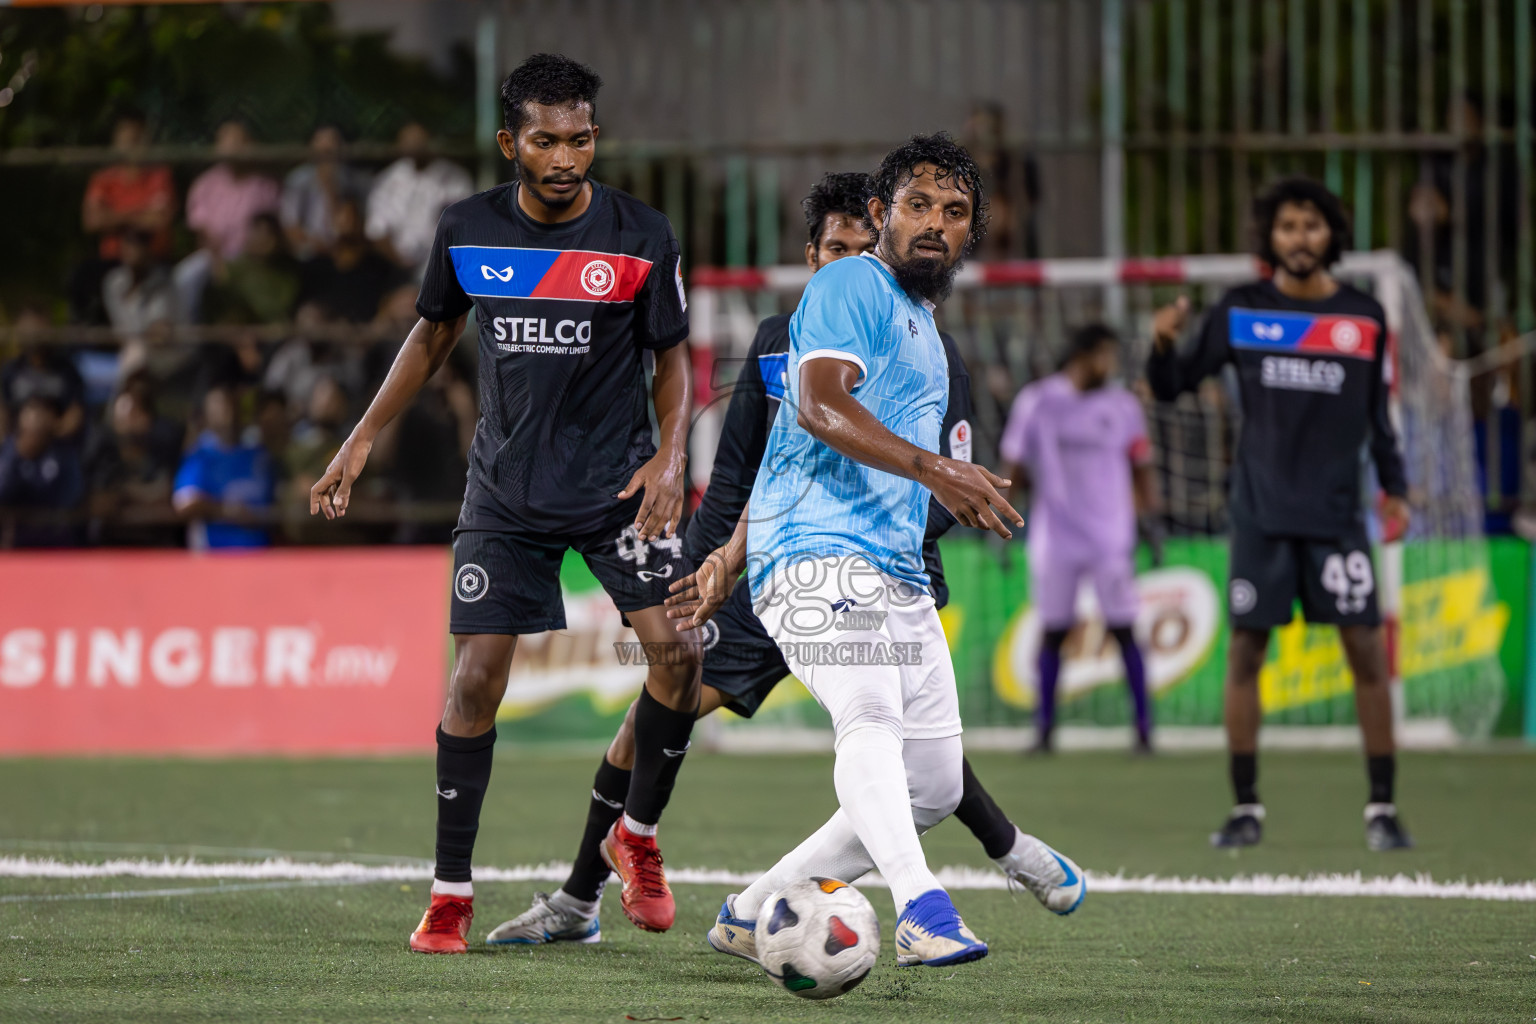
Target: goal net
[(1011, 321)]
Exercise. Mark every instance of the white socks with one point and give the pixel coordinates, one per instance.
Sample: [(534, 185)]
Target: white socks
[(832, 851), (565, 901), (636, 828), (463, 890), (871, 781)]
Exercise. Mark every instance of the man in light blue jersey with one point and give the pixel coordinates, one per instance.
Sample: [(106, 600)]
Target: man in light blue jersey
[(832, 542)]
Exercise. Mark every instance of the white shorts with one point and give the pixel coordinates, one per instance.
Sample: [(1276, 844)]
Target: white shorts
[(851, 634)]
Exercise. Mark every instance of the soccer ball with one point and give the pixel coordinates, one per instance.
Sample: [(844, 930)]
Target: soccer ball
[(817, 937)]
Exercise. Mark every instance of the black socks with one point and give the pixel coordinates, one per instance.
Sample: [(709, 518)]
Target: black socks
[(661, 740), (1245, 775), (463, 772), (1382, 771), (610, 788), (980, 813)]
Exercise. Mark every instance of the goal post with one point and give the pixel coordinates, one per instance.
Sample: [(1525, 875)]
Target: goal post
[(1011, 320)]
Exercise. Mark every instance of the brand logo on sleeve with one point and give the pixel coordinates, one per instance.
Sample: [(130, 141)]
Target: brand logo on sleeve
[(960, 441), (491, 274)]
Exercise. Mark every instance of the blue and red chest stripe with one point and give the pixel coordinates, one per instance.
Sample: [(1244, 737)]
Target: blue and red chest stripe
[(496, 272), (1324, 334)]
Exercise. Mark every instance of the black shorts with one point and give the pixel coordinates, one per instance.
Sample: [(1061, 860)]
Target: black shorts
[(740, 658), (507, 580), (1334, 579)]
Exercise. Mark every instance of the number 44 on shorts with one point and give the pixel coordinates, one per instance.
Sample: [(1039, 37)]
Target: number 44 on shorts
[(1350, 580), (632, 548)]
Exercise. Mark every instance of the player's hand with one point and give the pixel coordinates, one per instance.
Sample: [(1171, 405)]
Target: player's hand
[(697, 596), (661, 508), (333, 491), (1168, 323), (971, 494), (1395, 517)]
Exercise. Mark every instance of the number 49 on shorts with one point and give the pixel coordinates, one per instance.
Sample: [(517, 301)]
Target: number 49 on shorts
[(1350, 579)]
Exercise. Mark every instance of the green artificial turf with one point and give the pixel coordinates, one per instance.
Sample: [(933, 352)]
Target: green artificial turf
[(337, 952)]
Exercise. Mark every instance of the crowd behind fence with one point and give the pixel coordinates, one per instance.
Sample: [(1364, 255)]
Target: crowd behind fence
[(278, 278)]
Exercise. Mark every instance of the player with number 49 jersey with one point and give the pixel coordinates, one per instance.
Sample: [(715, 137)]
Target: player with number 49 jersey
[(1310, 352)]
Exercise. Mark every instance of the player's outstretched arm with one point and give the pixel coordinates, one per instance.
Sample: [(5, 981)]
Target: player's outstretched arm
[(834, 417), (424, 351), (663, 477)]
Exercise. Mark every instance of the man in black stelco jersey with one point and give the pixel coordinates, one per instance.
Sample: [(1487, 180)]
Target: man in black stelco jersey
[(742, 664), (1309, 353), (572, 283)]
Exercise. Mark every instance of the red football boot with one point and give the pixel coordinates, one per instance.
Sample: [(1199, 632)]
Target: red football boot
[(445, 926), (646, 899)]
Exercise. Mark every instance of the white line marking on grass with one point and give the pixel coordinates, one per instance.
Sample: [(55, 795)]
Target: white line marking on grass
[(77, 846), (1420, 886), (194, 890)]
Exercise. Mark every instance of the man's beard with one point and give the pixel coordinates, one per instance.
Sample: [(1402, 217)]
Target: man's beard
[(919, 275), (1311, 268), (529, 181)]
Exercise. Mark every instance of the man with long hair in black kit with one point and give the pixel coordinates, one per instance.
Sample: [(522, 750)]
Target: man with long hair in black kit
[(1309, 352)]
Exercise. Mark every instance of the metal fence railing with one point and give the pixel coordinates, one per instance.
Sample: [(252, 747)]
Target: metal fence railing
[(1109, 127)]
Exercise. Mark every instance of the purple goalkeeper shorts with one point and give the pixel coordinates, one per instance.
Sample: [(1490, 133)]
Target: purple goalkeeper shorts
[(1054, 583)]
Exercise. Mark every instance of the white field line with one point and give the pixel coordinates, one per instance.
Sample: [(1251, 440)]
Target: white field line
[(961, 878), (188, 890)]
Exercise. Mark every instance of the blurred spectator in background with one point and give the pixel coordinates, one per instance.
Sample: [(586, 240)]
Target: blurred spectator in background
[(272, 432), (318, 436), (225, 198), (40, 480), (261, 285), (43, 370), (425, 450), (312, 193), (303, 359), (224, 486), (220, 206), (316, 439), (1013, 184), (410, 195), (137, 293), (130, 472), (1433, 222), (351, 280), (131, 196)]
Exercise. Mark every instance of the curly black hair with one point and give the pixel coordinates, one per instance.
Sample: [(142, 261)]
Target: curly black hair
[(845, 192), (952, 161), (1300, 190), (547, 78)]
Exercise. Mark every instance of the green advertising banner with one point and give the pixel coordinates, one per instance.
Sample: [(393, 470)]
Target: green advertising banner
[(1459, 632)]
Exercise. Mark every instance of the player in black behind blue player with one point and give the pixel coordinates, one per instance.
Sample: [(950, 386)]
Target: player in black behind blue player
[(572, 283), (1309, 353), (742, 664)]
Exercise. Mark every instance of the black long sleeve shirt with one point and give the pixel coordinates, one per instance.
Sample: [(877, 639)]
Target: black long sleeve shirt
[(1310, 375)]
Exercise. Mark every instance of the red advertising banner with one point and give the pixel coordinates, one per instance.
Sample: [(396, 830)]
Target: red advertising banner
[(295, 652)]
